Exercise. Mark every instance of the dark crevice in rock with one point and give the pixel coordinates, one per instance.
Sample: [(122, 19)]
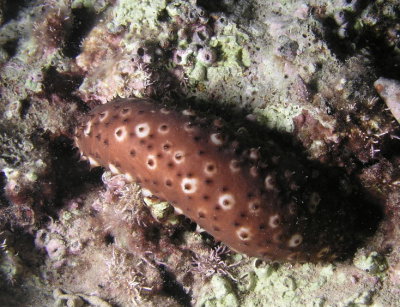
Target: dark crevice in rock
[(84, 19), (173, 288)]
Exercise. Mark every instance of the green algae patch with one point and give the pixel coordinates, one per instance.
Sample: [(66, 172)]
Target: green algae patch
[(161, 210), (231, 47), (96, 5), (247, 281), (221, 295), (136, 14), (223, 291), (284, 285), (280, 116), (221, 286), (198, 73)]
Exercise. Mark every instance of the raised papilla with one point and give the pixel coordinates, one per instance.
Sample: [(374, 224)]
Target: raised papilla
[(258, 202)]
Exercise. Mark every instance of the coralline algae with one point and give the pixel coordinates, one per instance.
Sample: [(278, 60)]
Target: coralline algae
[(259, 206)]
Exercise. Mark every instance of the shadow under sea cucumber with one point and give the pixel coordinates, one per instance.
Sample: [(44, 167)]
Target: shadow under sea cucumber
[(262, 201)]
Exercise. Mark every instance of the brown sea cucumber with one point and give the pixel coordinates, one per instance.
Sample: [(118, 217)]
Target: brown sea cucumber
[(258, 205)]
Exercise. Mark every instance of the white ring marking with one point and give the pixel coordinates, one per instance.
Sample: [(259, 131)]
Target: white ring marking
[(226, 201), (295, 240), (142, 130), (244, 233), (189, 185), (113, 168), (120, 133)]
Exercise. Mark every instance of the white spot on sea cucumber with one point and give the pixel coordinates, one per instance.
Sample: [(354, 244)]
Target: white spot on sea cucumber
[(178, 210), (314, 202), (210, 169), (234, 166), (165, 111), (151, 162), (88, 127), (142, 130), (113, 168), (188, 126), (216, 139), (163, 129), (120, 133), (292, 207), (254, 206), (244, 233), (323, 252), (295, 240), (93, 162), (189, 185), (103, 116), (166, 146), (179, 157), (226, 201), (188, 112), (269, 183), (129, 177), (274, 221), (254, 171), (254, 153), (146, 192)]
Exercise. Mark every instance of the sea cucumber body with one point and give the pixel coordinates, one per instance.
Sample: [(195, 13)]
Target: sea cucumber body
[(234, 195)]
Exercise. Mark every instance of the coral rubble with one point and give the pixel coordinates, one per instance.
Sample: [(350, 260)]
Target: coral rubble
[(318, 77)]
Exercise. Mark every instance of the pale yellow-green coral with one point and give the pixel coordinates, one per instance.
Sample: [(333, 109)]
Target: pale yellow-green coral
[(136, 14), (373, 263), (161, 210)]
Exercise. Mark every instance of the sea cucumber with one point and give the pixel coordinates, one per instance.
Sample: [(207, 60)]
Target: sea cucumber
[(263, 206)]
